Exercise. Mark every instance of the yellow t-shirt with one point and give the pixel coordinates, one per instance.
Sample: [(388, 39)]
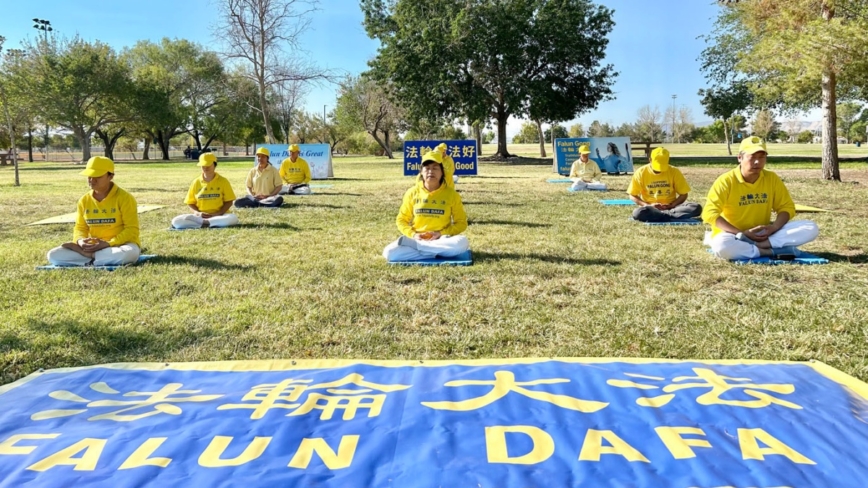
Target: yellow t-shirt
[(264, 182), (586, 172), (115, 219), (440, 211), (746, 205), (295, 173), (653, 187), (210, 197)]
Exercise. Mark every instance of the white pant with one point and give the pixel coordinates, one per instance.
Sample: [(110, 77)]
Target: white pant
[(584, 185), (793, 233), (446, 246), (190, 221), (302, 190), (110, 256)]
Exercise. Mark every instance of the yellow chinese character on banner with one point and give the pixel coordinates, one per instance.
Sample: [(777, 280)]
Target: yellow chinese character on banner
[(424, 150), (158, 401), (718, 385), (287, 393), (504, 382), (455, 151), (468, 151), (412, 152)]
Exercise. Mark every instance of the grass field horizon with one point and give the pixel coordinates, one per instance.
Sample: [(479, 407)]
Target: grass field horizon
[(555, 275)]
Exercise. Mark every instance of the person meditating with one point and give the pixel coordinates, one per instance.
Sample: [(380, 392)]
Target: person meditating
[(586, 173), (106, 225), (295, 173), (740, 206), (661, 191), (263, 184), (210, 197), (431, 217)]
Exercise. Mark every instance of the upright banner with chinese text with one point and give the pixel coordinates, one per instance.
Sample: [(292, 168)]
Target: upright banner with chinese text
[(318, 157), (490, 423), (463, 152)]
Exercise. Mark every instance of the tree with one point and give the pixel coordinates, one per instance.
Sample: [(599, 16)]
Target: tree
[(764, 124), (77, 85), (266, 35), (723, 103), (596, 129), (626, 130), (577, 130), (649, 124), (286, 99), (848, 114), (492, 59), (529, 134), (828, 38), (556, 131), (4, 100), (680, 122), (364, 104), (805, 137)]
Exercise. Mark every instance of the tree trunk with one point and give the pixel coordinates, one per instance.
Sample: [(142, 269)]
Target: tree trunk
[(384, 145), (84, 140), (477, 133), (247, 149), (30, 144), (225, 150), (542, 139), (830, 134), (163, 142), (501, 135), (726, 132), (263, 104), (146, 154)]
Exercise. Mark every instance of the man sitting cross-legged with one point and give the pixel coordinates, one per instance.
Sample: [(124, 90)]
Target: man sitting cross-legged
[(661, 191), (295, 173), (210, 197), (263, 184), (585, 172), (739, 210)]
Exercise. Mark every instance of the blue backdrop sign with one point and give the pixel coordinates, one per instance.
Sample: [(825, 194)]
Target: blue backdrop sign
[(567, 422), (463, 152), (318, 157), (612, 154)]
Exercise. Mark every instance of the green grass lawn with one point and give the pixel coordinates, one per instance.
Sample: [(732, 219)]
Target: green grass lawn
[(555, 274)]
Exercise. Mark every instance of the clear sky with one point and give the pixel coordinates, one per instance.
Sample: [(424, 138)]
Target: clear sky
[(653, 46)]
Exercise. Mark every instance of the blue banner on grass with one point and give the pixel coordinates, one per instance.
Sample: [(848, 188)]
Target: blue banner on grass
[(568, 422), (612, 154), (464, 152)]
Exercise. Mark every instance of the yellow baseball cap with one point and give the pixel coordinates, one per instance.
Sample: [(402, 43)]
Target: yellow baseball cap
[(207, 159), (585, 149), (660, 159), (98, 166), (264, 151), (752, 145), (294, 148), (434, 155)]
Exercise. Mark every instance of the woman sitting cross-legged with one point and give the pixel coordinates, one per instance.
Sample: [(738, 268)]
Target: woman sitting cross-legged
[(431, 217), (210, 197)]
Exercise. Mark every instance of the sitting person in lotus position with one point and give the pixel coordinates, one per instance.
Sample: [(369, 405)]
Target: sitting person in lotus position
[(106, 225), (661, 191), (210, 197), (263, 184), (431, 217), (740, 206), (295, 173), (586, 173)]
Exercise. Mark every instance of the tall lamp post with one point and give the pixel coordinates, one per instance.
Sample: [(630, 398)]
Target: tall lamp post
[(44, 26), (672, 127)]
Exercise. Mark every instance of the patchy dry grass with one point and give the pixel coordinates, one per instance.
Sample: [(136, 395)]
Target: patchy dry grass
[(556, 274)]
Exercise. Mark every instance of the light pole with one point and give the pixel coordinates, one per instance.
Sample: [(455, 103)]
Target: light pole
[(44, 26), (672, 127)]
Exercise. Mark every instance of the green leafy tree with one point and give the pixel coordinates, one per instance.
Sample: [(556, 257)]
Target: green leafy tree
[(528, 134), (848, 114), (805, 137), (364, 104), (577, 130), (559, 131), (724, 103), (77, 85), (764, 125), (492, 59)]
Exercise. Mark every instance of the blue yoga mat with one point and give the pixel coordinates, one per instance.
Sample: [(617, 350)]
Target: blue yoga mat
[(463, 259), (805, 258), (142, 259), (673, 222), (559, 180), (617, 202), (585, 189)]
